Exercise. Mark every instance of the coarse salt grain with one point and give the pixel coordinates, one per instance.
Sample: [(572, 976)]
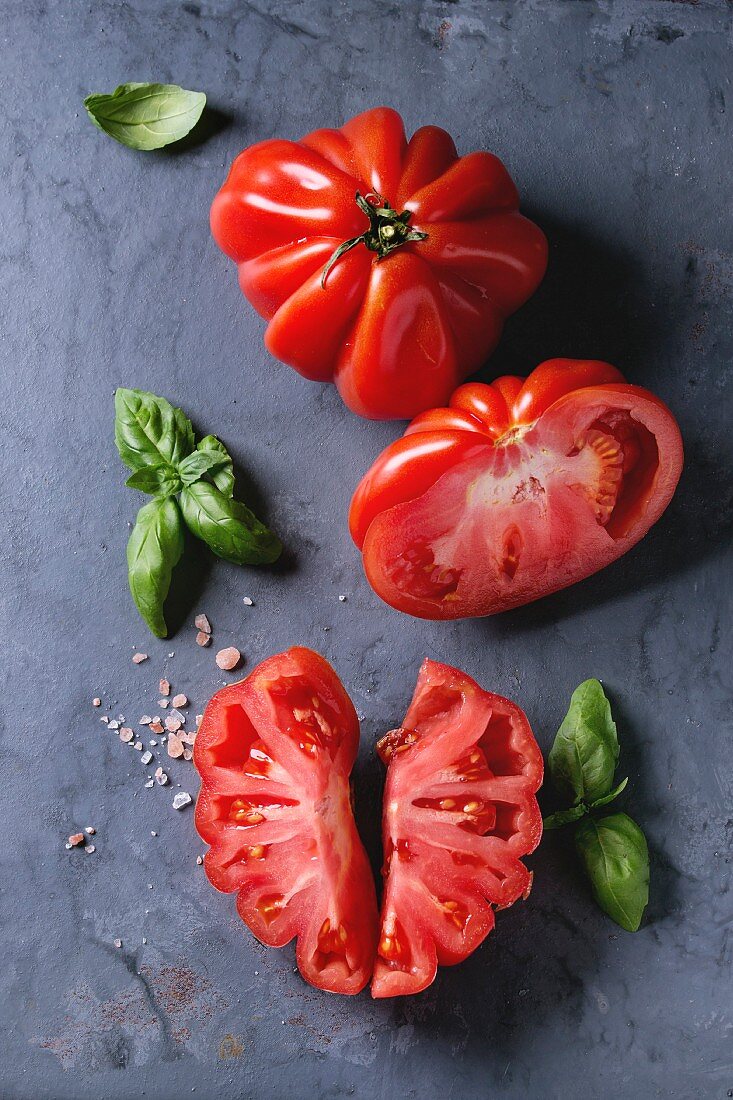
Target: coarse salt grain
[(138, 658), (164, 688), (203, 639), (96, 702), (247, 601), (145, 720), (161, 778), (156, 726), (199, 860), (175, 746), (126, 734), (163, 703), (146, 757), (89, 848), (90, 830), (104, 718), (228, 658), (114, 724), (187, 754), (202, 623), (118, 943), (150, 783), (138, 745), (173, 724), (183, 798), (76, 839), (179, 700), (342, 599)]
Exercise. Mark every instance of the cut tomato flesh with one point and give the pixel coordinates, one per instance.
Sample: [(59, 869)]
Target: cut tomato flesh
[(544, 506), (459, 813), (274, 753)]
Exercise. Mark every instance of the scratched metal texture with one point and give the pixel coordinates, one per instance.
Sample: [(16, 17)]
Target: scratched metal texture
[(615, 120)]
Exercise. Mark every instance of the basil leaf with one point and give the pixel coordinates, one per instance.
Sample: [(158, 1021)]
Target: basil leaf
[(149, 430), (227, 527), (564, 817), (158, 480), (194, 466), (146, 116), (610, 796), (585, 753), (153, 549), (615, 856), (223, 477)]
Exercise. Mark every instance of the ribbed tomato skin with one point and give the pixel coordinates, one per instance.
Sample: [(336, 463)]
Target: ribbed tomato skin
[(395, 334)]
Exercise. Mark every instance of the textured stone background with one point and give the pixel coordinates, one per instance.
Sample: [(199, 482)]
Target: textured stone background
[(615, 120)]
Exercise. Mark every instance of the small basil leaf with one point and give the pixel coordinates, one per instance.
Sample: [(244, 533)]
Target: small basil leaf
[(610, 796), (146, 116), (615, 856), (153, 549), (585, 753), (149, 430), (227, 527), (159, 480), (223, 476), (564, 817), (194, 466)]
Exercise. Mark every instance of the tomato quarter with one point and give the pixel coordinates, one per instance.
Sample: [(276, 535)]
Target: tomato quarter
[(385, 266), (274, 753), (517, 489), (459, 813)]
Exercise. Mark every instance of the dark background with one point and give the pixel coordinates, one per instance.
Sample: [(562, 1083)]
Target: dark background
[(614, 119)]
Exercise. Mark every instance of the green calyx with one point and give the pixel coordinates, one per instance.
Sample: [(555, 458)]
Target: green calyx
[(387, 231)]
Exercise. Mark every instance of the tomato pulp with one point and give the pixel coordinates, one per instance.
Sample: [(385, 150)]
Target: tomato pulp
[(459, 813), (274, 753), (515, 490), (433, 255)]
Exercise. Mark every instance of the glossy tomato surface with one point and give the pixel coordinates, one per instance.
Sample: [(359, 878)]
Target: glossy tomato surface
[(400, 321), (274, 753), (459, 813), (515, 490)]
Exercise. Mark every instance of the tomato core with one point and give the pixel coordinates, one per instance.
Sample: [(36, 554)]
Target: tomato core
[(387, 230)]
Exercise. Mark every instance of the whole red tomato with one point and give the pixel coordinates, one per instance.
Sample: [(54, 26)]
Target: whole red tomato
[(515, 490), (385, 266)]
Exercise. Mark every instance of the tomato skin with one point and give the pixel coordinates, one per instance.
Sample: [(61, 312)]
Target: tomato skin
[(460, 812), (572, 428), (274, 753), (395, 333)]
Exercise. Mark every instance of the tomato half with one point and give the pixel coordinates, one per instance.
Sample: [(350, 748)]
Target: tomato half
[(433, 256), (274, 753), (517, 489), (459, 813)]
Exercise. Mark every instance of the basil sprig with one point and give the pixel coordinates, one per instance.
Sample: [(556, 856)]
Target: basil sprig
[(156, 441), (146, 116), (612, 848)]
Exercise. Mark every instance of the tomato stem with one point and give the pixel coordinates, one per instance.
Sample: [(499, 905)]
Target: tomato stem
[(387, 231)]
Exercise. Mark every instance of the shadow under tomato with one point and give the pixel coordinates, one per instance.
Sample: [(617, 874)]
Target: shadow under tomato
[(592, 303)]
